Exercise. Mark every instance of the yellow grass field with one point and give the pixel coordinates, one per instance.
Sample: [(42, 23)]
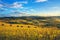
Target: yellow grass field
[(27, 32)]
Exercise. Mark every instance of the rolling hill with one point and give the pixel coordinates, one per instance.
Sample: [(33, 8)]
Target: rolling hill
[(33, 20)]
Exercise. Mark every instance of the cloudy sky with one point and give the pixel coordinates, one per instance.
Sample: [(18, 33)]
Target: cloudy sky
[(29, 8)]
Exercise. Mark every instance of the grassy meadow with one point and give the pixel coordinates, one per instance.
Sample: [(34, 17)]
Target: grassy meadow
[(29, 29)]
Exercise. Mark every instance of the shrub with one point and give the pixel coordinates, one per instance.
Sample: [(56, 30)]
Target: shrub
[(2, 24), (10, 25), (28, 26), (58, 25), (17, 26), (21, 26), (35, 27)]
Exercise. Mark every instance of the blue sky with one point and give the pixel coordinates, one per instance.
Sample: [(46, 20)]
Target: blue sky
[(29, 8)]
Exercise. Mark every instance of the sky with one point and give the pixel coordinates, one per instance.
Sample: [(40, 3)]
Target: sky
[(29, 8)]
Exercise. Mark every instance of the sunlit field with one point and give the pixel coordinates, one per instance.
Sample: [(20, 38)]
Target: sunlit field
[(27, 32), (29, 19)]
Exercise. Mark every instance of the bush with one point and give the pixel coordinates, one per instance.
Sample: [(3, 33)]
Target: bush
[(58, 25), (2, 24), (17, 26), (28, 26), (10, 25), (35, 27), (21, 26)]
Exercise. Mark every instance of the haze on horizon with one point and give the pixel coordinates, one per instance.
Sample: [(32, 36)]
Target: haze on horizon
[(29, 8)]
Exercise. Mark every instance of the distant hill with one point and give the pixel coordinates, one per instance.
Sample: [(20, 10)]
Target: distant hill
[(53, 21), (33, 17)]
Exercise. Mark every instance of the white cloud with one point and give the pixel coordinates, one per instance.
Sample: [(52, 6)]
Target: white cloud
[(55, 7), (1, 5), (23, 2), (17, 5), (41, 0), (20, 14), (32, 10)]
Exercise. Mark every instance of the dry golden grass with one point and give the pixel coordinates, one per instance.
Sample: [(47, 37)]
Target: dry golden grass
[(27, 32)]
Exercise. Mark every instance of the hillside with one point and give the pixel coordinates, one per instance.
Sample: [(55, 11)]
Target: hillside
[(33, 20), (30, 28)]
